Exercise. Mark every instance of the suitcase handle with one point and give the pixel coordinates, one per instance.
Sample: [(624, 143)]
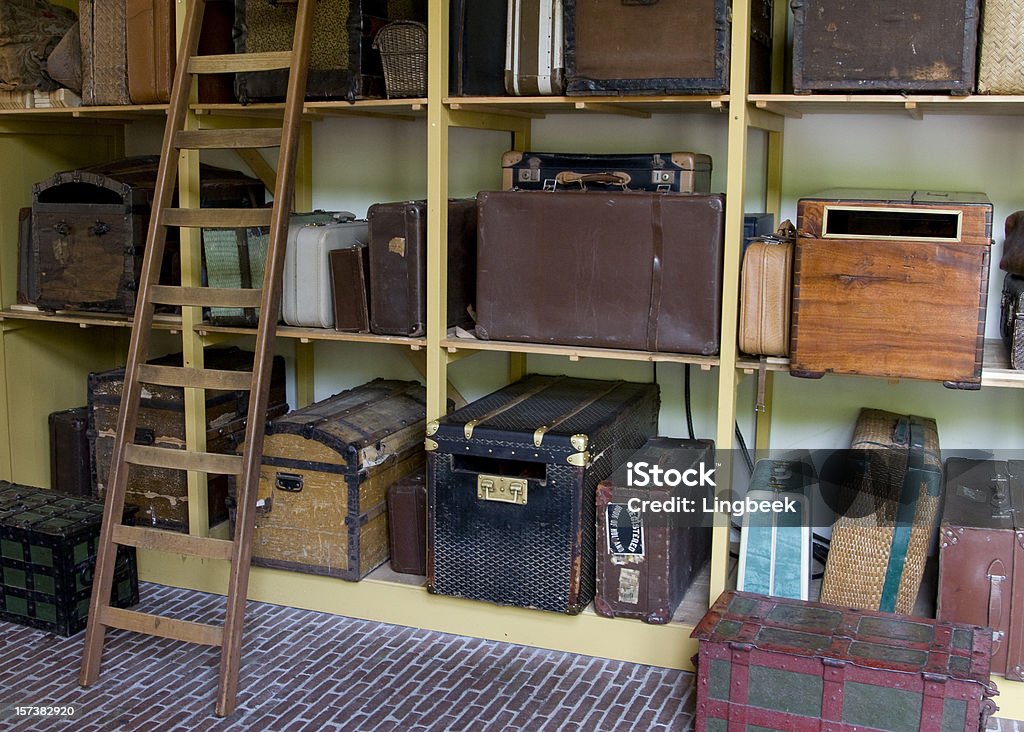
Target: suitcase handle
[(568, 177), (291, 482), (996, 575)]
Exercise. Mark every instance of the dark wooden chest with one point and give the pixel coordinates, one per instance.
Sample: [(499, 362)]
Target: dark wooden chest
[(322, 501), (160, 493), (981, 555), (48, 545), (891, 284), (511, 482), (915, 46), (89, 230), (646, 561), (768, 663)]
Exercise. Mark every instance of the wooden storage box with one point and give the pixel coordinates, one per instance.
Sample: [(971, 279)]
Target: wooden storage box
[(48, 545), (780, 664), (891, 284), (321, 506), (160, 493)]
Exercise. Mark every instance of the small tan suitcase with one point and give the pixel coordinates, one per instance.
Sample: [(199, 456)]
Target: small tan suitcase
[(766, 289)]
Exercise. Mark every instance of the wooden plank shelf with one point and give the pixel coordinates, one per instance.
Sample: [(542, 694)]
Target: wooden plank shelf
[(631, 106), (403, 109), (86, 319), (308, 335), (576, 353), (106, 113), (914, 106)]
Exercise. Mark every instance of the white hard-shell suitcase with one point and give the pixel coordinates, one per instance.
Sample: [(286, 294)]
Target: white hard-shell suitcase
[(306, 299)]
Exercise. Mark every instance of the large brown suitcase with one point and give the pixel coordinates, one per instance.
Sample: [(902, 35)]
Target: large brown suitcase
[(660, 47), (70, 461), (321, 505), (162, 494), (912, 46), (407, 524), (888, 501), (150, 50), (398, 265), (104, 52), (981, 555), (632, 270), (510, 495), (769, 663), (647, 561), (891, 284)]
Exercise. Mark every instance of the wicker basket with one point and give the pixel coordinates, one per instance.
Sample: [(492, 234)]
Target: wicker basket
[(1001, 62), (403, 49)]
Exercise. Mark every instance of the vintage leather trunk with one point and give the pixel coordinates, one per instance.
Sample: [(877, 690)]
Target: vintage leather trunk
[(162, 494), (511, 481), (350, 287), (1011, 320), (644, 567), (888, 499), (306, 300), (104, 52), (476, 48), (679, 172), (775, 547), (867, 269), (769, 663), (70, 461), (326, 470), (398, 265), (534, 48), (89, 229), (660, 47), (766, 295), (981, 555), (407, 524), (917, 46), (151, 52), (547, 261), (48, 544), (342, 65), (28, 282)]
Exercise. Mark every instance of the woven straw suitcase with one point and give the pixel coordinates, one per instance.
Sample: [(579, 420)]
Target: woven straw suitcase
[(104, 52), (890, 492), (1001, 58)]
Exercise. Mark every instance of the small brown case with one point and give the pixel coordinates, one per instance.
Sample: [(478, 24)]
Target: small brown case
[(407, 524), (350, 288)]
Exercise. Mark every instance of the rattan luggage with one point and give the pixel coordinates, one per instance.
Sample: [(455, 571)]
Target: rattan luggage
[(1001, 54), (403, 52)]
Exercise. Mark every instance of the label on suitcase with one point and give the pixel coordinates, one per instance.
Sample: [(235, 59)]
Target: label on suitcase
[(306, 300), (534, 52), (679, 172)]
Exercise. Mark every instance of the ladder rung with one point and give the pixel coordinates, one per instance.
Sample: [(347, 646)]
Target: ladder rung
[(183, 630), (195, 378), (227, 139), (172, 542), (230, 63), (203, 462), (217, 218), (214, 297)]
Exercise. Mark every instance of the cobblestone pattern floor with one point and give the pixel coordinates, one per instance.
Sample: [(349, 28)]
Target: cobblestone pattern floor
[(313, 671)]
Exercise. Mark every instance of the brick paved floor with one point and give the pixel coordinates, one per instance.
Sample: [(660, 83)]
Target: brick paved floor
[(310, 671)]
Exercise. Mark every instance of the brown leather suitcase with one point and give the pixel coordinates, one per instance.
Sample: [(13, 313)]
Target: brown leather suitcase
[(350, 287), (150, 50), (647, 561), (70, 461), (633, 270), (891, 284), (216, 39), (920, 46), (407, 524), (398, 265), (766, 288), (981, 555)]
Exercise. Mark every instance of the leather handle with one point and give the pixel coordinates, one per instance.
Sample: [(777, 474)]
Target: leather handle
[(996, 577), (568, 177), (639, 2)]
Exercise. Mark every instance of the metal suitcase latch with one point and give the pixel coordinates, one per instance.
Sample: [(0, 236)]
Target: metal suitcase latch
[(500, 488)]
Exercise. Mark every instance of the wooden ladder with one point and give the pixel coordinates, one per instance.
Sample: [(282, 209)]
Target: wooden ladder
[(247, 465)]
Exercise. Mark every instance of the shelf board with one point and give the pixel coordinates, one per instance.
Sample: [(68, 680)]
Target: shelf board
[(86, 319), (575, 353), (916, 106), (632, 106), (407, 109), (995, 370), (125, 112), (307, 335)]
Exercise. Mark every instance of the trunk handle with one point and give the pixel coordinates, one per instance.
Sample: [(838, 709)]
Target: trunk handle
[(568, 177), (996, 575)]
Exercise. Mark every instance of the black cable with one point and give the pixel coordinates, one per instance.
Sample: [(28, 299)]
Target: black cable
[(686, 396), (743, 448)]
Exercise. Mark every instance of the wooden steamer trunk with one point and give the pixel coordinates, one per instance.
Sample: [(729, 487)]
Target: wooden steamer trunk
[(48, 545), (160, 493), (321, 506), (891, 284), (769, 663), (510, 490), (981, 555), (645, 567)]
